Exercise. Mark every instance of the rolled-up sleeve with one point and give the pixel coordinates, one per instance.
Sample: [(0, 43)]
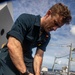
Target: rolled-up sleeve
[(18, 30)]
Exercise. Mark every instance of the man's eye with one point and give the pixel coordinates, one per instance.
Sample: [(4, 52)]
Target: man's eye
[(56, 24)]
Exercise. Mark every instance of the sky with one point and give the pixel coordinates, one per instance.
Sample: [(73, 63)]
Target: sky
[(60, 42)]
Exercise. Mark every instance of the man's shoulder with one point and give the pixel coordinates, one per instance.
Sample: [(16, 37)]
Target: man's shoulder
[(29, 18), (27, 15)]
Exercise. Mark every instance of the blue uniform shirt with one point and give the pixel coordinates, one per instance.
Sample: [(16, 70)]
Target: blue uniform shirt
[(26, 29)]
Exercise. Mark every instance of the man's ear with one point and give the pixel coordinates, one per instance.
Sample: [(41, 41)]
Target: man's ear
[(48, 12)]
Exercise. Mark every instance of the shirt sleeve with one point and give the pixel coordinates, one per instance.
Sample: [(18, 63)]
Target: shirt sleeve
[(18, 30), (43, 44)]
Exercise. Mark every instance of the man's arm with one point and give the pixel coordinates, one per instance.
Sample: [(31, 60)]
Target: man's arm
[(16, 54), (38, 58)]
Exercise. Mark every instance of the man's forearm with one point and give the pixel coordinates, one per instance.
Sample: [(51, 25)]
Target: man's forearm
[(37, 64), (18, 61), (16, 54)]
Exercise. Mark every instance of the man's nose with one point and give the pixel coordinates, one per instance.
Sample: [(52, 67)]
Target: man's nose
[(55, 28)]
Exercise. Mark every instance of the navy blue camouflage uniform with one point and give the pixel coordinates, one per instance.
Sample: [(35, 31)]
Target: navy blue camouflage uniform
[(26, 29)]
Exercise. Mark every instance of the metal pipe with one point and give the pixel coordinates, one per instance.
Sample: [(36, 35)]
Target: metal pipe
[(69, 62), (54, 64)]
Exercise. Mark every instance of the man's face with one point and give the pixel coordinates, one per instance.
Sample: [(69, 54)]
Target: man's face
[(52, 23)]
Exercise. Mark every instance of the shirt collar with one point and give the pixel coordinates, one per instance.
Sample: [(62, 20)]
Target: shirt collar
[(37, 21)]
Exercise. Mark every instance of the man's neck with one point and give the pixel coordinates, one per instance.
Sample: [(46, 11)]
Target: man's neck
[(42, 22)]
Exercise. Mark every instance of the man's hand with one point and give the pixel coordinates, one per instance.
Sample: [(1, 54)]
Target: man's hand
[(27, 73), (31, 74)]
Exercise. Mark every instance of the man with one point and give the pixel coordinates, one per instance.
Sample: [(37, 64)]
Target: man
[(31, 31)]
